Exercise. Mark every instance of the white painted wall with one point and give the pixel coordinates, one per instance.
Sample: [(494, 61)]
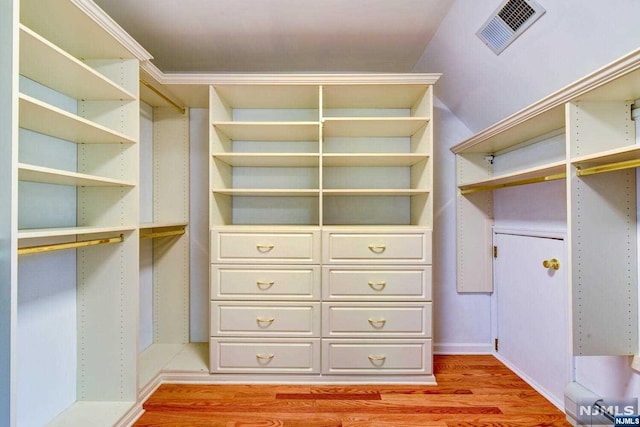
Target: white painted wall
[(462, 322), (573, 38)]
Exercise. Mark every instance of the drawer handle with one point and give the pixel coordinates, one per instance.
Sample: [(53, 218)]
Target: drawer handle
[(377, 323), (377, 249), (265, 285), (377, 286), (268, 320), (265, 356), (377, 360), (264, 248)]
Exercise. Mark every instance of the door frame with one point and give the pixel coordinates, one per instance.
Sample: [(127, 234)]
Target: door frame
[(555, 234)]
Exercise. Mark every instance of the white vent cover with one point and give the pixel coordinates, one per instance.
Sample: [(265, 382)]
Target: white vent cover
[(510, 20)]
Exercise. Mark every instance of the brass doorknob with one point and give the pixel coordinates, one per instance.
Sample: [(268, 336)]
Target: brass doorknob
[(551, 263)]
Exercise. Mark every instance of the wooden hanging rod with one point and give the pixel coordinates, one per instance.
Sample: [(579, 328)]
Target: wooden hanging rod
[(627, 164), (71, 245), (175, 105), (153, 235), (554, 177)]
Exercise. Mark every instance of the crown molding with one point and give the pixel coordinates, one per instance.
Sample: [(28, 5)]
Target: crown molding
[(94, 12), (580, 87)]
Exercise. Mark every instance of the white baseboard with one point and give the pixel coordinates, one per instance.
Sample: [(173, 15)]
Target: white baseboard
[(463, 348)]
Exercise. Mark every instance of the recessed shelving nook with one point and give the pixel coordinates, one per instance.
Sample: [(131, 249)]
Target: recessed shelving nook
[(312, 176), (584, 134)]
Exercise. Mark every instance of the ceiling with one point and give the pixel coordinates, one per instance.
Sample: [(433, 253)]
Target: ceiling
[(236, 36)]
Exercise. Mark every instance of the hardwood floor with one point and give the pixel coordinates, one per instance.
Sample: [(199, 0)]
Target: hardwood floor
[(471, 391)]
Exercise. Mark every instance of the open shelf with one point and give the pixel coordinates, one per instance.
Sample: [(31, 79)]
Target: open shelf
[(64, 72), (372, 159), (59, 177), (373, 192), (372, 126), (84, 413), (269, 131), (36, 233), (546, 172), (41, 117), (266, 192), (269, 159), (373, 96), (610, 160)]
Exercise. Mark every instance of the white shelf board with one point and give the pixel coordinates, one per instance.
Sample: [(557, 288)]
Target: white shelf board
[(269, 96), (269, 131), (372, 126), (59, 177), (41, 117), (49, 65), (35, 233), (162, 224), (153, 360), (267, 192), (91, 413), (372, 159), (194, 357), (623, 154), (372, 96), (514, 177), (373, 192), (269, 159)]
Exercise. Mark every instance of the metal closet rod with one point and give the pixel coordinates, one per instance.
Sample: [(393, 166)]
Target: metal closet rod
[(70, 245), (627, 164), (513, 184), (178, 107)]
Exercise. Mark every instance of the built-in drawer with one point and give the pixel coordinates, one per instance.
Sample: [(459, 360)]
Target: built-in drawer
[(398, 283), (379, 319), (379, 357), (257, 247), (273, 318), (235, 282), (392, 247), (264, 355)]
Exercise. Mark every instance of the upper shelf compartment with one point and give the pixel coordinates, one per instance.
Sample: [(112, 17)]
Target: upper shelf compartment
[(373, 126), (46, 63), (265, 103), (41, 117), (362, 100)]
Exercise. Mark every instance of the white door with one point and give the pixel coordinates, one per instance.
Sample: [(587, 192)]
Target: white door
[(532, 311)]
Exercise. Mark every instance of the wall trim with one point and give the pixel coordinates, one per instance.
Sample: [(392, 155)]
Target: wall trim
[(462, 348)]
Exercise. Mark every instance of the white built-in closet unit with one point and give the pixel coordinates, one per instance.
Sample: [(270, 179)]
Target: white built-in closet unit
[(321, 219), (71, 120), (583, 134)]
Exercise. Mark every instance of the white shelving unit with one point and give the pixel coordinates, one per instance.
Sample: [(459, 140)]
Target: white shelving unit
[(294, 168), (75, 176), (585, 135)]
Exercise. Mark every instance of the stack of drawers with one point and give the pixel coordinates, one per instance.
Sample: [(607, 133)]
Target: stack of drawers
[(265, 302), (372, 316), (376, 309)]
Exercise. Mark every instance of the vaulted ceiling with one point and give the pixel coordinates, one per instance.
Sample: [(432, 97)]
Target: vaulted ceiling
[(281, 35)]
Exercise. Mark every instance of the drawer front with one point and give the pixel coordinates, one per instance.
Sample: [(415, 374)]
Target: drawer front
[(264, 356), (232, 247), (379, 357), (394, 248), (378, 284), (266, 283), (353, 319), (278, 319)]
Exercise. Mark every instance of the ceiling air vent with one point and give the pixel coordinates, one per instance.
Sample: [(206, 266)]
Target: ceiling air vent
[(510, 20)]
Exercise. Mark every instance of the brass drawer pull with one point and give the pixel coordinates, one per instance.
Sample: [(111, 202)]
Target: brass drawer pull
[(377, 286), (263, 285), (377, 249), (377, 323), (375, 359), (264, 248), (265, 356), (268, 320)]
